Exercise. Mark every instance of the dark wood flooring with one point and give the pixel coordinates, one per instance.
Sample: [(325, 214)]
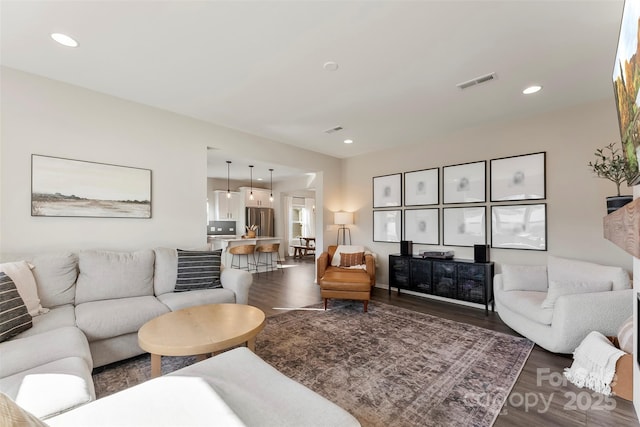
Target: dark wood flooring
[(539, 397)]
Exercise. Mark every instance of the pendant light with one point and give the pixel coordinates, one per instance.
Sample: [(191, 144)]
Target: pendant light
[(271, 195), (251, 193), (228, 191)]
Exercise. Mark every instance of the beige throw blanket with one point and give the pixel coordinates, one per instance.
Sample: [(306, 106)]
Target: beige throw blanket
[(594, 363)]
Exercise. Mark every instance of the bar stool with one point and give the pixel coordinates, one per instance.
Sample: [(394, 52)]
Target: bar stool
[(246, 251), (269, 249)]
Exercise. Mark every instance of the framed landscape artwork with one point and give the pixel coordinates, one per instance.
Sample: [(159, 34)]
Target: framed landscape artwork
[(518, 178), (422, 187), (465, 183), (387, 226), (387, 191), (422, 226), (464, 226), (76, 188), (626, 70), (519, 227)]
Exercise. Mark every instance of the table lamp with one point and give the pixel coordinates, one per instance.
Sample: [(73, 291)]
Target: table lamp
[(342, 219)]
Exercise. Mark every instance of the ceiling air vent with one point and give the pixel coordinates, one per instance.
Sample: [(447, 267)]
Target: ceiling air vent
[(335, 129), (478, 80)]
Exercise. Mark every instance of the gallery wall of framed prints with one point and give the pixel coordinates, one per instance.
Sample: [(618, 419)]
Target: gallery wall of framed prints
[(409, 206)]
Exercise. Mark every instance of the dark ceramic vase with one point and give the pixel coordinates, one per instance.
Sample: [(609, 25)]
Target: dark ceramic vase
[(616, 202)]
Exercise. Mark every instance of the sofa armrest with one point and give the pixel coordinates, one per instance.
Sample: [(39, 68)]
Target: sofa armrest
[(498, 284), (322, 264), (579, 314), (370, 262), (238, 281)]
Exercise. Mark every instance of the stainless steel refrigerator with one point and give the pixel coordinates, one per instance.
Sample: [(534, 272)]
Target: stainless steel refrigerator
[(263, 218)]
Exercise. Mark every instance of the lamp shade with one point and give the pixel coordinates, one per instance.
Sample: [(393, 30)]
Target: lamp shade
[(343, 218)]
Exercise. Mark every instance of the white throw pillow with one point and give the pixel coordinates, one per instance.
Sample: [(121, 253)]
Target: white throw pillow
[(557, 289), (20, 273), (625, 336), (571, 270), (524, 278), (335, 261)]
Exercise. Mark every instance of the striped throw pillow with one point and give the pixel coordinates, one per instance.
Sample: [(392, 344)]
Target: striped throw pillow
[(351, 259), (625, 336), (14, 317), (198, 270)]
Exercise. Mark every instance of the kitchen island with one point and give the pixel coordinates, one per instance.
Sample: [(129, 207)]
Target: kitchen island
[(226, 242)]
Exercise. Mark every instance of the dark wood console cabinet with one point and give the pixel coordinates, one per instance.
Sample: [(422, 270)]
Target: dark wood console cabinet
[(459, 279)]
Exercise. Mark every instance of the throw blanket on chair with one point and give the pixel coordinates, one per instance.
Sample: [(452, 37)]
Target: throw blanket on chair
[(594, 363)]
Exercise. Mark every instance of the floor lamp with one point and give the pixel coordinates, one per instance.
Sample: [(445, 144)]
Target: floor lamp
[(342, 219)]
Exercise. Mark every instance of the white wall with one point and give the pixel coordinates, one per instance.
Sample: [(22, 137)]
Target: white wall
[(575, 199), (42, 116)]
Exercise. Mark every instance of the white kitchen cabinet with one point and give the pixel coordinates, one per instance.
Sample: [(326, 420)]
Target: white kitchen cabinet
[(260, 198), (227, 209)]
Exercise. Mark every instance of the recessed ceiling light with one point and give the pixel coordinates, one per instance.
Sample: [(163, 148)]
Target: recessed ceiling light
[(348, 141), (330, 66), (532, 89), (64, 39)]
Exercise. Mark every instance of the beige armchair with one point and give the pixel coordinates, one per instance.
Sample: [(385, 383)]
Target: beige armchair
[(346, 281)]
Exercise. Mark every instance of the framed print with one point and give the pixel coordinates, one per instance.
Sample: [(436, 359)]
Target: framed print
[(464, 226), (387, 226), (387, 191), (518, 178), (519, 227), (465, 183), (422, 187), (626, 88), (422, 226), (77, 188)]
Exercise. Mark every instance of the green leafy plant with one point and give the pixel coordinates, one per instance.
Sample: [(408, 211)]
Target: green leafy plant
[(611, 165)]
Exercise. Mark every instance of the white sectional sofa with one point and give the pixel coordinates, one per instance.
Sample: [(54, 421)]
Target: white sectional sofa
[(557, 305), (97, 301)]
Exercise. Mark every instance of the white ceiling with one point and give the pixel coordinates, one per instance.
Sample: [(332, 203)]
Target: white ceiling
[(257, 66)]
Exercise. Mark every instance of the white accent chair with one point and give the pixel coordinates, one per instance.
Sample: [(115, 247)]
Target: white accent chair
[(558, 305)]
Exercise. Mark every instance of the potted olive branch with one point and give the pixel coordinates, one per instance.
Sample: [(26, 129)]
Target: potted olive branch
[(612, 165)]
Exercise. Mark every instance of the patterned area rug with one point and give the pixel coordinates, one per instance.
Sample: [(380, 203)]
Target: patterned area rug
[(389, 366)]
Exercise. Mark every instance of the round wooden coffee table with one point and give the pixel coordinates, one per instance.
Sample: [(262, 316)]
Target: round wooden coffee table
[(200, 331)]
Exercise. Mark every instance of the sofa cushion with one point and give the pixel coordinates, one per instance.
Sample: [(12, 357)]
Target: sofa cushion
[(524, 277), (14, 317), (165, 271), (57, 317), (198, 270), (51, 388), (527, 304), (179, 300), (114, 317), (19, 355), (167, 401), (20, 273), (14, 415), (557, 289), (261, 395), (335, 259), (55, 276), (569, 270), (107, 275)]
